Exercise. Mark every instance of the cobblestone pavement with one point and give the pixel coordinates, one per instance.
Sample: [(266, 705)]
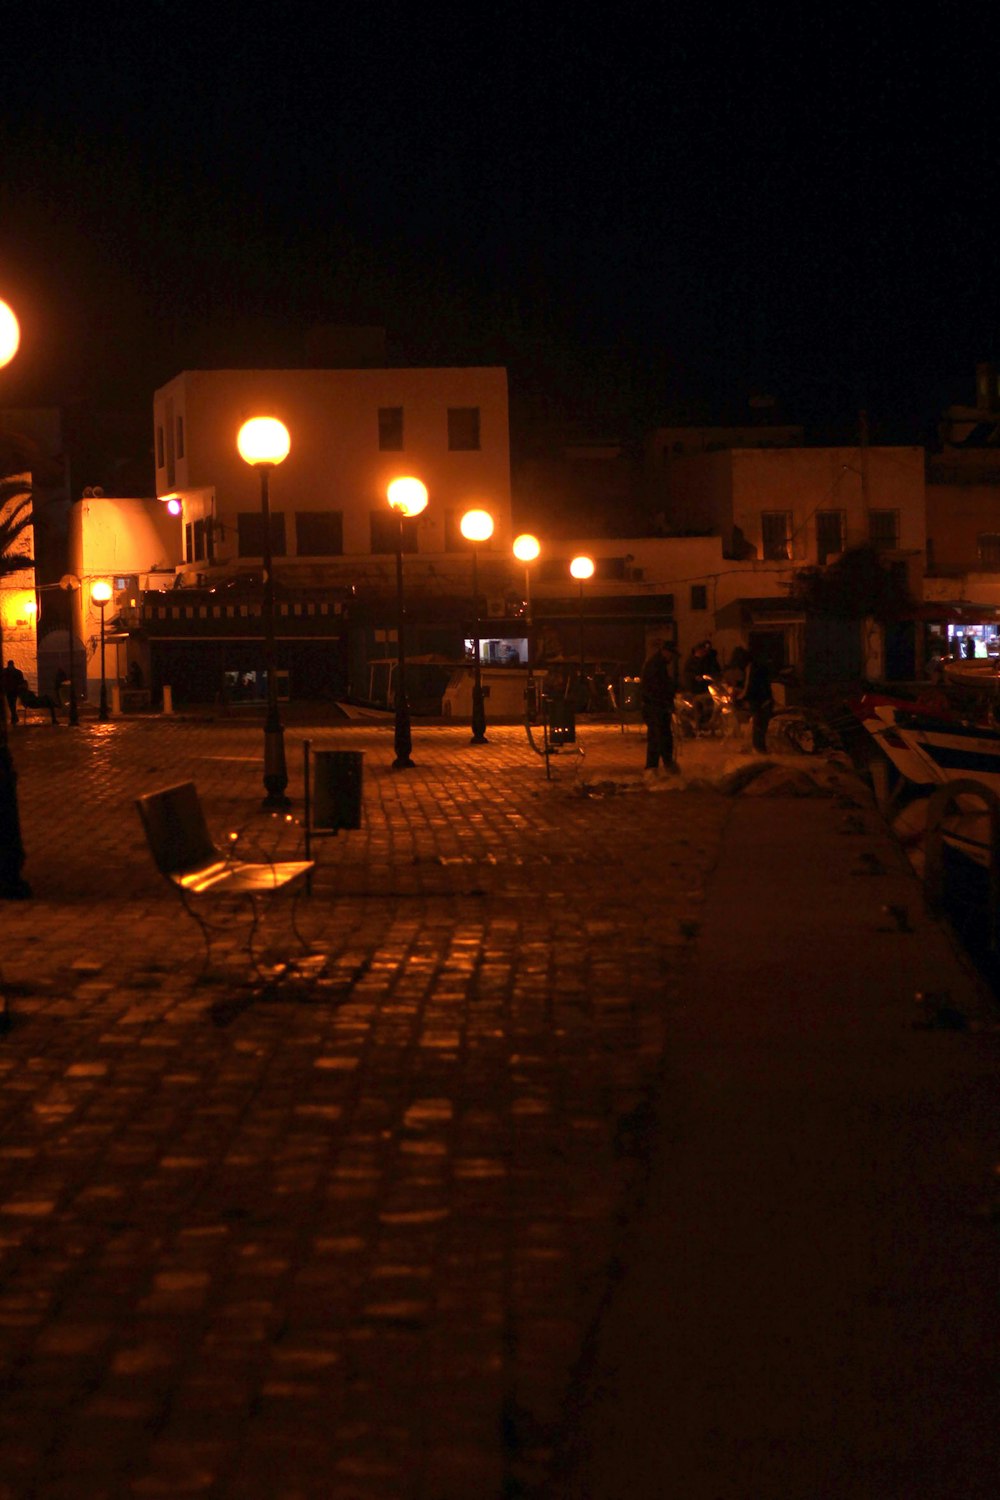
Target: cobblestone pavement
[(342, 1238)]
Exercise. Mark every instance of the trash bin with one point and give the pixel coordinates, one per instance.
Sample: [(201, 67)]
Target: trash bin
[(337, 780), (562, 722)]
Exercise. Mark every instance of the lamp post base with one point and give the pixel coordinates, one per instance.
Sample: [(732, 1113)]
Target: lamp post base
[(403, 740), (478, 718), (275, 771)]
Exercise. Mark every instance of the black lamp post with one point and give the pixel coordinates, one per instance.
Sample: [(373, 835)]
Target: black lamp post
[(100, 592), (526, 549), (263, 442), (13, 885), (581, 568), (477, 526), (69, 582), (407, 498)]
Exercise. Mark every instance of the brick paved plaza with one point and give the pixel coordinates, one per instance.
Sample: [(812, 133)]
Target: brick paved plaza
[(345, 1238)]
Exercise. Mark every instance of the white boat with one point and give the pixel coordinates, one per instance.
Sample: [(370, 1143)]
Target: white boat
[(928, 751)]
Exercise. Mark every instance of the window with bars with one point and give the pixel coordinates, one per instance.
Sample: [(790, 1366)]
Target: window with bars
[(775, 534), (463, 428), (883, 528), (250, 531), (319, 533), (829, 533), (385, 531), (390, 429)]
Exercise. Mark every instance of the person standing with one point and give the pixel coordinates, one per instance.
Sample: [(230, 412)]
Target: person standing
[(756, 696), (14, 683), (657, 688)]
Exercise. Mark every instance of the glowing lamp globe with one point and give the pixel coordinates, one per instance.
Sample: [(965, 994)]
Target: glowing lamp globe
[(10, 334), (407, 496), (174, 506), (100, 592), (526, 547), (476, 525), (582, 567), (30, 609), (263, 440)]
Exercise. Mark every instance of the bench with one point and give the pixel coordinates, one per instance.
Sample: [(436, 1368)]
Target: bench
[(199, 872)]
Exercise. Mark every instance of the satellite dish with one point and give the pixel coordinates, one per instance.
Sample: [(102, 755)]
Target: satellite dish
[(88, 493), (97, 492), (69, 581)]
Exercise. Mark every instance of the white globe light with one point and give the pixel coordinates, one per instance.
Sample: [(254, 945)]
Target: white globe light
[(263, 440), (526, 547), (582, 567), (407, 495), (476, 525), (10, 334), (100, 592)]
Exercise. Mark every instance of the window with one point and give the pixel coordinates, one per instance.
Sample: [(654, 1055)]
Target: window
[(161, 457), (775, 528), (319, 533), (987, 548), (390, 429), (829, 533), (180, 437), (385, 531), (463, 428), (883, 528), (188, 542), (699, 596), (250, 529), (199, 541)]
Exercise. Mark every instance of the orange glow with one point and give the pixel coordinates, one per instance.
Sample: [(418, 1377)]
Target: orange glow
[(10, 334), (263, 440), (30, 608), (476, 525), (174, 506), (582, 567), (526, 547), (100, 591), (407, 495)]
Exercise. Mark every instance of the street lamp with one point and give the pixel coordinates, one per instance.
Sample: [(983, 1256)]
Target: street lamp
[(13, 886), (477, 526), (263, 443), (526, 549), (69, 582), (581, 568), (100, 592), (407, 498)]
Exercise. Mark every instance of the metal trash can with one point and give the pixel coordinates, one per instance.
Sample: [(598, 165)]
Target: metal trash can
[(562, 722), (337, 783)]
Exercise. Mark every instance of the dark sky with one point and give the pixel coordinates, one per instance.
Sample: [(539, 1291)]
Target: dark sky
[(635, 217)]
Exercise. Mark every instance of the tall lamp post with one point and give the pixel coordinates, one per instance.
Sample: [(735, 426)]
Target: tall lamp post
[(69, 582), (407, 498), (477, 526), (526, 549), (100, 592), (13, 885), (263, 443), (581, 568)]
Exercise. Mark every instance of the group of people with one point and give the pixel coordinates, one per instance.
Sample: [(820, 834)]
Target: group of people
[(748, 676)]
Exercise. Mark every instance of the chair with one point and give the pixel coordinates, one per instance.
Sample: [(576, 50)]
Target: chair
[(187, 857)]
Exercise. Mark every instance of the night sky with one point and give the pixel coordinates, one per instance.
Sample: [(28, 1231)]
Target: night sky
[(642, 219)]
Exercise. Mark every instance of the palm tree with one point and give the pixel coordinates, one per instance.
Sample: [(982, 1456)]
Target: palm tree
[(15, 518)]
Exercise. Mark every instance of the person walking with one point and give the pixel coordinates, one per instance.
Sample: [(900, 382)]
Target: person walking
[(657, 688)]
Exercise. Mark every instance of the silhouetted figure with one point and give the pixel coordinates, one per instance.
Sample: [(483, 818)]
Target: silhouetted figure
[(14, 681), (657, 687), (61, 684), (757, 697)]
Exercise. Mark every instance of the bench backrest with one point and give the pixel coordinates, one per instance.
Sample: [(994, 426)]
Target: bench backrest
[(176, 829)]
